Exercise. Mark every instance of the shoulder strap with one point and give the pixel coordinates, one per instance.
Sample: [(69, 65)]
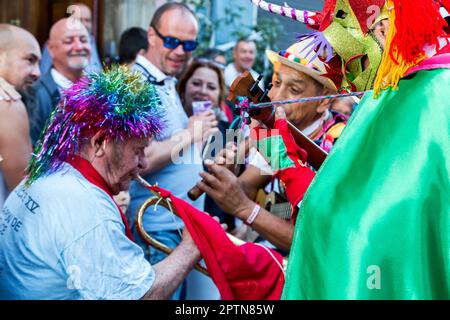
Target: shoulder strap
[(150, 78)]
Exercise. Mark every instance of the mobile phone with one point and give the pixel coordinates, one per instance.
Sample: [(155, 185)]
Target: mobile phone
[(201, 106)]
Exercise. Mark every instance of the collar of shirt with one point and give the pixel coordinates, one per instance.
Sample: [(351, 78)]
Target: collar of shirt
[(61, 81), (313, 127), (316, 124), (152, 69), (232, 69)]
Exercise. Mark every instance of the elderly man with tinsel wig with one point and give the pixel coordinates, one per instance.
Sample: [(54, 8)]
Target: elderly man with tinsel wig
[(61, 234)]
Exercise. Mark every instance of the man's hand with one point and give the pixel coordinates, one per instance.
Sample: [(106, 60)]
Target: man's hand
[(7, 91), (277, 145), (285, 157), (227, 157), (171, 271), (226, 190), (202, 126), (223, 225), (189, 243), (231, 156)]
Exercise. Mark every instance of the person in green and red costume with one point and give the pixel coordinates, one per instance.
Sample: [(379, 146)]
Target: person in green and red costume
[(300, 72), (374, 222)]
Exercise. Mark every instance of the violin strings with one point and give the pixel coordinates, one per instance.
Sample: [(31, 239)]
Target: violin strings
[(284, 102)]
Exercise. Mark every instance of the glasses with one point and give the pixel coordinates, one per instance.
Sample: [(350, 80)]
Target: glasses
[(173, 43), (210, 62)]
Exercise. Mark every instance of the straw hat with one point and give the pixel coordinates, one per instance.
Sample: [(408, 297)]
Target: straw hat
[(298, 57)]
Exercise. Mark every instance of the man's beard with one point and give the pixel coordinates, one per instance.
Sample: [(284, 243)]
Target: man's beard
[(116, 165), (26, 84), (79, 65)]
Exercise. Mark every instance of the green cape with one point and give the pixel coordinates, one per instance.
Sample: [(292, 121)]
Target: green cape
[(375, 222)]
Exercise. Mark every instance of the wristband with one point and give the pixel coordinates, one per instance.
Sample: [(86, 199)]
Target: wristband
[(251, 218)]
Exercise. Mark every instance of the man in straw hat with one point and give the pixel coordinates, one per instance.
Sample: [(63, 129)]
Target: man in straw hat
[(297, 74), (62, 235), (374, 223)]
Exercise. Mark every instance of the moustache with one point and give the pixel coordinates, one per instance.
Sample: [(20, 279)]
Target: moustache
[(83, 54), (30, 79)]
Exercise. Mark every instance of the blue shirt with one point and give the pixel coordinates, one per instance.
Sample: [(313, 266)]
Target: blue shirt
[(63, 238), (180, 175)]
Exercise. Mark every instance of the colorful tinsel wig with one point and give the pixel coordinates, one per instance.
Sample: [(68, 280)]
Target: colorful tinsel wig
[(115, 103)]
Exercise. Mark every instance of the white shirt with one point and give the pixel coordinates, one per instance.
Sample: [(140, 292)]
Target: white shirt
[(231, 74), (61, 81), (256, 159), (63, 238)]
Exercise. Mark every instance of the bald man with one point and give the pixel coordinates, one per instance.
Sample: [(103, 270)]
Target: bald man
[(19, 68), (69, 46), (83, 14)]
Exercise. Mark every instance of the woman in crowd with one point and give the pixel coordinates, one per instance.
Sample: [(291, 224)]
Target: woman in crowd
[(201, 86), (203, 81)]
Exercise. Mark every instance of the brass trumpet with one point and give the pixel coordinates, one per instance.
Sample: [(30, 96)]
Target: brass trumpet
[(157, 199)]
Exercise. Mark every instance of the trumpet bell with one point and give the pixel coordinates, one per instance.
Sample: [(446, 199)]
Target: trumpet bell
[(149, 239), (157, 199)]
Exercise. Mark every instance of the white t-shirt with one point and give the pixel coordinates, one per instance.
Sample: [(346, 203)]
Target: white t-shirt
[(63, 238), (256, 159), (61, 81)]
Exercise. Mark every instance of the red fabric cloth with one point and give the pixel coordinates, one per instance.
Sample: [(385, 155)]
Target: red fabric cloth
[(89, 172), (438, 61), (297, 178), (246, 272)]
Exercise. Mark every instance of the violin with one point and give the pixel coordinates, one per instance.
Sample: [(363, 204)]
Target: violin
[(246, 86)]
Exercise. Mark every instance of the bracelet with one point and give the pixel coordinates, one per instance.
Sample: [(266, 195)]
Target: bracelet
[(251, 218)]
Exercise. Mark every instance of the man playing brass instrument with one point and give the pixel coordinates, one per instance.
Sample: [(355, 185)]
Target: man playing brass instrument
[(61, 223)]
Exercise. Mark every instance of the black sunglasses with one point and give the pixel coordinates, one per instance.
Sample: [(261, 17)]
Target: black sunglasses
[(173, 43)]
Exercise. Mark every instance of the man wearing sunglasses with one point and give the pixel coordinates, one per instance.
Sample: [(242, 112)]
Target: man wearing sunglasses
[(174, 159)]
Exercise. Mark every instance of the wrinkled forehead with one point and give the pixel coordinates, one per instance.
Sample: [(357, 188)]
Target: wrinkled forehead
[(73, 29), (31, 48), (125, 144), (178, 23), (290, 75), (135, 142), (205, 73), (246, 46)]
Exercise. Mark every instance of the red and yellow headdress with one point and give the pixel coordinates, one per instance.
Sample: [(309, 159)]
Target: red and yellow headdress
[(413, 26), (347, 26)]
